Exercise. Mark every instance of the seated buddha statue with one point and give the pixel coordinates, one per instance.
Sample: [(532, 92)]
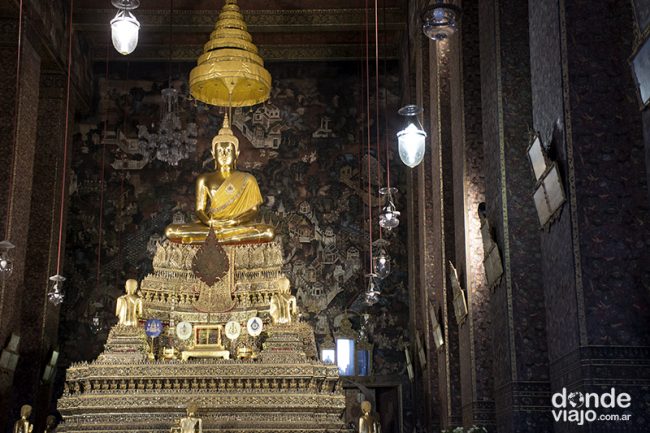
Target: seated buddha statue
[(227, 200)]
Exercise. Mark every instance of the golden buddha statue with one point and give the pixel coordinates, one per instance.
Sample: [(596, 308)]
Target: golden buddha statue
[(23, 425), (129, 306), (283, 304), (191, 424), (367, 422), (233, 197), (50, 424)]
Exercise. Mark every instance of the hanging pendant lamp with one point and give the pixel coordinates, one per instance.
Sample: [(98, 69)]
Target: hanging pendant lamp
[(411, 139), (125, 28), (441, 20)]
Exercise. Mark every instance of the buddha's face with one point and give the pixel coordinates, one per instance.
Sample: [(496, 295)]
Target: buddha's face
[(224, 154)]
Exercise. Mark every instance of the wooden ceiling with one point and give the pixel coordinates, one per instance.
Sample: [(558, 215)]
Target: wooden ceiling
[(282, 29)]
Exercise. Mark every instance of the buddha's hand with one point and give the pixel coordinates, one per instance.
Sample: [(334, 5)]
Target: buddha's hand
[(221, 224)]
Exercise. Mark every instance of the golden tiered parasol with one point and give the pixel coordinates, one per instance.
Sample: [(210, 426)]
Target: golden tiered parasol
[(230, 72)]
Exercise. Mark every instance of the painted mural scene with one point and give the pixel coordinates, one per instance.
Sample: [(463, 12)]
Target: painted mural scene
[(324, 216)]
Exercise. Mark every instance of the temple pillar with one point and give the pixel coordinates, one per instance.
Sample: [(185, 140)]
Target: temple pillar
[(40, 319), (596, 255), (475, 355), (433, 220), (18, 143), (520, 360), (424, 383)]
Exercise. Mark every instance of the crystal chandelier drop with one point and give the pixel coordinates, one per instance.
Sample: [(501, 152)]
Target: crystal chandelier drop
[(6, 264), (371, 296), (389, 216), (125, 27), (172, 143), (55, 295), (440, 21), (381, 260)]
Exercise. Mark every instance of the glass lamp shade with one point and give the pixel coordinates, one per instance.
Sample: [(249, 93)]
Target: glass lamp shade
[(372, 291), (411, 145), (389, 216), (381, 264), (96, 324), (55, 295), (411, 139), (440, 21), (124, 32), (6, 264)]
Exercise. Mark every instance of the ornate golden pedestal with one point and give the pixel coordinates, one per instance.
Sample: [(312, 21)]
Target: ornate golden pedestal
[(286, 389)]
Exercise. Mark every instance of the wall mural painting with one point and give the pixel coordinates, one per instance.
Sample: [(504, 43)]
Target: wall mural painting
[(305, 148)]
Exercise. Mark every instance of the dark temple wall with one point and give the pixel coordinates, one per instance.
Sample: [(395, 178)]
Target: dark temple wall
[(31, 157), (596, 256)]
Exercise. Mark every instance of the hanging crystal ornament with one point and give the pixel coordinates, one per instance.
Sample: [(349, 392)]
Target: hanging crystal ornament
[(6, 264), (372, 291), (381, 260), (389, 216), (55, 295), (230, 72), (440, 20), (172, 143), (125, 27)]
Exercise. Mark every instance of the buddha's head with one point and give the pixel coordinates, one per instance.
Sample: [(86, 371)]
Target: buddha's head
[(131, 286), (284, 285), (192, 409), (366, 407), (25, 411), (225, 146)]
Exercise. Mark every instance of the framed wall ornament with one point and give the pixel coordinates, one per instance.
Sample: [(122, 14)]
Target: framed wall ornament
[(460, 303), (640, 64), (549, 193), (437, 330), (492, 264)]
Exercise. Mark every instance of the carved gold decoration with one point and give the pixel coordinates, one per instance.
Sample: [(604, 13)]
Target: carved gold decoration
[(236, 387), (245, 290)]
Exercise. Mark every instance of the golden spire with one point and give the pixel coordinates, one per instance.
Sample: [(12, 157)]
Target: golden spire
[(230, 73)]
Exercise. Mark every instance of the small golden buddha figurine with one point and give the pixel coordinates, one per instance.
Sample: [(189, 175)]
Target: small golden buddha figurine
[(367, 422), (129, 306), (23, 425), (50, 424), (283, 303), (191, 424), (233, 197)]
